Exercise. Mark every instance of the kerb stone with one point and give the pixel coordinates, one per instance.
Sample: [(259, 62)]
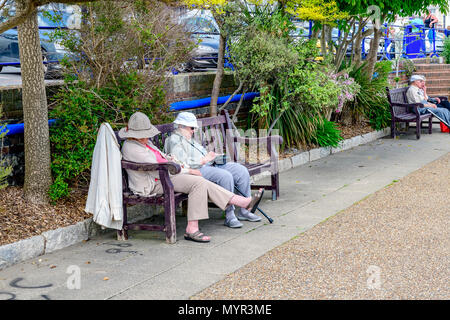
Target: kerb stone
[(64, 237), (20, 251)]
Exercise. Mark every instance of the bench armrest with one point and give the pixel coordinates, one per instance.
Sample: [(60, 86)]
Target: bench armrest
[(170, 167), (414, 106)]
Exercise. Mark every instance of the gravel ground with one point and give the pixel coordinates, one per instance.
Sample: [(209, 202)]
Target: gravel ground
[(393, 244)]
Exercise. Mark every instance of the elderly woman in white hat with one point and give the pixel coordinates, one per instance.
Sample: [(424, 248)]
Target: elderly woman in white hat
[(417, 93), (229, 175), (138, 148)]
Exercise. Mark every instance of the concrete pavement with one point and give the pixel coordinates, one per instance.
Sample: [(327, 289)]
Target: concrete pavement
[(145, 267)]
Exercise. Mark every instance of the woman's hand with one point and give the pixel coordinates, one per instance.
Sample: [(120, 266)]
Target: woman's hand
[(195, 172), (209, 157)]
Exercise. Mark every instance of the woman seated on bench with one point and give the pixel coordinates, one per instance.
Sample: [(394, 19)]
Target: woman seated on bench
[(138, 148), (192, 154)]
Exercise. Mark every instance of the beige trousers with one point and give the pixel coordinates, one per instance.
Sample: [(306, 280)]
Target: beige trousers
[(199, 190)]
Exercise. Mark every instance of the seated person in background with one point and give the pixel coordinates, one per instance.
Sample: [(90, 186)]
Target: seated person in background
[(447, 31), (192, 154), (417, 94), (138, 148)]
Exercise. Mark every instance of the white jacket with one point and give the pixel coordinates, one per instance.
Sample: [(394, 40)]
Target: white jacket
[(104, 199)]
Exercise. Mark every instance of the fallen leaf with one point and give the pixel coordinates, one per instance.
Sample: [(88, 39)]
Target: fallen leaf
[(105, 278), (52, 267)]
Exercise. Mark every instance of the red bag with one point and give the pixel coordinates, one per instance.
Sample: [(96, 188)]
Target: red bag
[(444, 128)]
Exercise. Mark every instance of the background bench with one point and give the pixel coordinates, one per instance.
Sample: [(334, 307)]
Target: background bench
[(216, 134), (402, 111)]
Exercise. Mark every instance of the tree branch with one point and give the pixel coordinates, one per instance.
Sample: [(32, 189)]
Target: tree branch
[(29, 7)]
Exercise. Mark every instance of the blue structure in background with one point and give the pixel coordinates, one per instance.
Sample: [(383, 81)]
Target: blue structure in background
[(191, 104), (414, 42), (18, 128)]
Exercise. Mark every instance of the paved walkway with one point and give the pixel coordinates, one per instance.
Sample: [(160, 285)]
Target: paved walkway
[(146, 267)]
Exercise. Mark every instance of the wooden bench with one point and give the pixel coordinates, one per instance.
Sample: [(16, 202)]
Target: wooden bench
[(402, 111), (216, 135)]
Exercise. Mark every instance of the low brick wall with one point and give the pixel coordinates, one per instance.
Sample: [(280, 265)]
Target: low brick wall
[(196, 85)]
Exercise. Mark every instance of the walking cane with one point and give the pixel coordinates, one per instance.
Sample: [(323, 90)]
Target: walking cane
[(265, 215)]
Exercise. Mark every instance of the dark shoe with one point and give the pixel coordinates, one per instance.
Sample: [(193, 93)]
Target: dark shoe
[(256, 199), (197, 236)]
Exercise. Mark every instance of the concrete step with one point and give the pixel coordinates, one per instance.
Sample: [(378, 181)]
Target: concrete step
[(438, 92), (433, 67), (433, 74), (442, 82), (434, 60)]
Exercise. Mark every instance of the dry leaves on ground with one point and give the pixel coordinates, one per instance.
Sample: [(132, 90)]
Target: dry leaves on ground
[(20, 220)]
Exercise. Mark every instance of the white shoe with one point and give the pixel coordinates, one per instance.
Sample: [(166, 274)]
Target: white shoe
[(248, 217)]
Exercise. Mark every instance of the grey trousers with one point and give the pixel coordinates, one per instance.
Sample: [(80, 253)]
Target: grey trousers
[(199, 190), (228, 176)]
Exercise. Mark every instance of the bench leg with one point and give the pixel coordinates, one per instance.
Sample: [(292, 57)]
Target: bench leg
[(275, 186), (392, 129), (184, 208), (169, 217), (123, 234), (430, 125), (418, 127)]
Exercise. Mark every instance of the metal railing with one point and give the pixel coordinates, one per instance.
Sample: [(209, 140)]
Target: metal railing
[(411, 41)]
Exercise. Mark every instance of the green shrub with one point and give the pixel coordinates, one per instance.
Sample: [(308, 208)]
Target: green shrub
[(80, 111), (371, 101), (446, 52), (327, 134), (5, 170)]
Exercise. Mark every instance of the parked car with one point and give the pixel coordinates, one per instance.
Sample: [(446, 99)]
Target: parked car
[(52, 52), (204, 30)]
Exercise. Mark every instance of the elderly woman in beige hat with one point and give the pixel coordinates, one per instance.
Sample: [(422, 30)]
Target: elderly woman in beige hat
[(138, 148)]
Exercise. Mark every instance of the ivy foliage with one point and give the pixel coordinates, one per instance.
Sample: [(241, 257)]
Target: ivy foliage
[(446, 52)]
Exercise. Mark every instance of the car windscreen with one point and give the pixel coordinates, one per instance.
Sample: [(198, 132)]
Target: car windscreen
[(199, 24)]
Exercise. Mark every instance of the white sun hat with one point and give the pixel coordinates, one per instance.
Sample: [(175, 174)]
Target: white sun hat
[(139, 127), (416, 77), (187, 119)]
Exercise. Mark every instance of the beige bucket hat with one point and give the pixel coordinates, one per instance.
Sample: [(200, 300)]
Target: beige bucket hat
[(139, 126)]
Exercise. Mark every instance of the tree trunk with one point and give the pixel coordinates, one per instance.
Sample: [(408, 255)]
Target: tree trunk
[(219, 75), (372, 56), (35, 112), (357, 45), (323, 40)]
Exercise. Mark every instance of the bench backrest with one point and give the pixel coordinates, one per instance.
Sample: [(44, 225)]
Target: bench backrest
[(397, 96), (212, 133)]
